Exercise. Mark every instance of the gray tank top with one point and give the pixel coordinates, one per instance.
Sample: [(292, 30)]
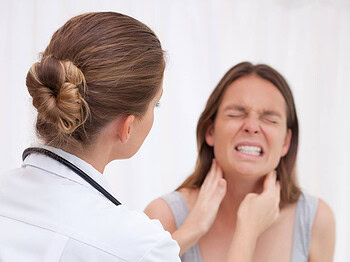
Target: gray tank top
[(303, 221)]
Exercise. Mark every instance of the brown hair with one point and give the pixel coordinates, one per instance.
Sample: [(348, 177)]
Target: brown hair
[(96, 67), (287, 165)]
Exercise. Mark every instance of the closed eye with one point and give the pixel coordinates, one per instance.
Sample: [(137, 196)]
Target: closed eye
[(271, 116), (271, 121), (231, 115)]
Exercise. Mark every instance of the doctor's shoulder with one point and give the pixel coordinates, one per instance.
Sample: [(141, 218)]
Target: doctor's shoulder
[(128, 234), (80, 231), (140, 238), (131, 235)]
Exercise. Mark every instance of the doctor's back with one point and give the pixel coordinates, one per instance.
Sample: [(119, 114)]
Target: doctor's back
[(95, 89)]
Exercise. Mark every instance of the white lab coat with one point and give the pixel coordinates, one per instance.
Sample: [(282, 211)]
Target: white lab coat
[(48, 213)]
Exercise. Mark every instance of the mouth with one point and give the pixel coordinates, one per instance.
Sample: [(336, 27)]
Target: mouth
[(250, 150)]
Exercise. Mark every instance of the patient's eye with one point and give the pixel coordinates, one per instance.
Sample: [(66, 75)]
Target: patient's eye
[(270, 120), (235, 115)]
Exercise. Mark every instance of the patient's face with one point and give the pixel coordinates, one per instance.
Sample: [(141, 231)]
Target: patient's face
[(250, 133)]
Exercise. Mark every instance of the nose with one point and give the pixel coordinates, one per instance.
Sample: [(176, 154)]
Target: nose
[(251, 126)]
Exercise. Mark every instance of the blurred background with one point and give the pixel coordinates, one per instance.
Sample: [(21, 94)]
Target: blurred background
[(307, 41)]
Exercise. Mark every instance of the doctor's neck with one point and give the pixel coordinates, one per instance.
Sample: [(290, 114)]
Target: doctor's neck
[(105, 147), (97, 156)]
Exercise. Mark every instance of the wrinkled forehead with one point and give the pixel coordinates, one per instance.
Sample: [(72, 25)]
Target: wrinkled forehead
[(253, 93)]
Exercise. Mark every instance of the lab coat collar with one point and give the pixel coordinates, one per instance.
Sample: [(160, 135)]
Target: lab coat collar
[(53, 166)]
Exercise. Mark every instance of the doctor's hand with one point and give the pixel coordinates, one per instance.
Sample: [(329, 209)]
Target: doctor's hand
[(209, 198), (256, 213), (204, 210)]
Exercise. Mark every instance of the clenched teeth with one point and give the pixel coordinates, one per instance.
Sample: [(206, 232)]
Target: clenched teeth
[(251, 150)]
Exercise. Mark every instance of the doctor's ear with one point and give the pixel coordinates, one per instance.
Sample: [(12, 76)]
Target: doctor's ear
[(125, 128), (209, 135)]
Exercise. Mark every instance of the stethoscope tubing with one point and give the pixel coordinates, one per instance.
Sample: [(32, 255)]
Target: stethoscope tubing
[(72, 167)]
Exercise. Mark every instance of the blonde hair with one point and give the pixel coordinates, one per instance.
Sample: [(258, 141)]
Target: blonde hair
[(96, 67)]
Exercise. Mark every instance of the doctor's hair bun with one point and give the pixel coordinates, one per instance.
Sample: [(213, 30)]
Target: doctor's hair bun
[(57, 88), (97, 67)]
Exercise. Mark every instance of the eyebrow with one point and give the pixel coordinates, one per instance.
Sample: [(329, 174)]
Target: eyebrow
[(243, 109), (271, 113), (235, 107)]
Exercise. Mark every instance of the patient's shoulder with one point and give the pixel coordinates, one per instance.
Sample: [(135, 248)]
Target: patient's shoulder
[(159, 209), (190, 195)]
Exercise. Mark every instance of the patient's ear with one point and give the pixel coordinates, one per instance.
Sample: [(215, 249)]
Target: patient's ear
[(286, 144), (209, 135), (125, 128)]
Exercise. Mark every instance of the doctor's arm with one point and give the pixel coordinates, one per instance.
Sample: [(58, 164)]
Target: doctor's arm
[(202, 214), (256, 213)]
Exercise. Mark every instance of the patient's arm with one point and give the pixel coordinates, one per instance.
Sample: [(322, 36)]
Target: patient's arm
[(322, 235)]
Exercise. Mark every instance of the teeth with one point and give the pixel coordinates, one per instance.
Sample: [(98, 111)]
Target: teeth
[(251, 150)]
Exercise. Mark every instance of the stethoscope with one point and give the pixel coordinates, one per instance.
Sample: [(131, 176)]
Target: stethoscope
[(72, 167)]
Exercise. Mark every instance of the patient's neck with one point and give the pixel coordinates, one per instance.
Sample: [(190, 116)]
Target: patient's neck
[(238, 187)]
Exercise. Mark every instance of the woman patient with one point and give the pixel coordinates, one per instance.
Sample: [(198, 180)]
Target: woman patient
[(248, 129)]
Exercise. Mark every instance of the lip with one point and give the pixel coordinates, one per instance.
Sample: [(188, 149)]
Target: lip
[(248, 143)]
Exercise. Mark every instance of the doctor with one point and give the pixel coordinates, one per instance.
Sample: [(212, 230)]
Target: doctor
[(95, 89)]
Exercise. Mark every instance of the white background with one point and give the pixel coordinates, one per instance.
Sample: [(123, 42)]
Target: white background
[(306, 40)]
